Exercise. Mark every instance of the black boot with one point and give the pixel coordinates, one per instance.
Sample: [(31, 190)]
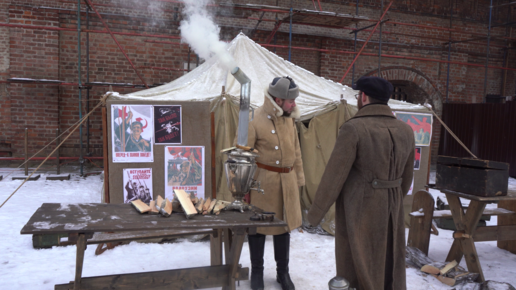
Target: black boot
[(281, 254), (256, 249)]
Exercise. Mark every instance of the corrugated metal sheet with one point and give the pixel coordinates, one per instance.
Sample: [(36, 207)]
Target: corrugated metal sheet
[(488, 130)]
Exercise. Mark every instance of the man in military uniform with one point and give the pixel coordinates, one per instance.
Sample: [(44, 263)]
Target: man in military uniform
[(280, 171), (367, 176)]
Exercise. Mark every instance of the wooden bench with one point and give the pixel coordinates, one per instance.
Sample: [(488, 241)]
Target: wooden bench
[(423, 212)]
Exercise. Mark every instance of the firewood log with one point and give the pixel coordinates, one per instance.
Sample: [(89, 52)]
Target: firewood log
[(199, 205), (140, 206), (206, 205), (152, 205), (212, 205), (186, 202)]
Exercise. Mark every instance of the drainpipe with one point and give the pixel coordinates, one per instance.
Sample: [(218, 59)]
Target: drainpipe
[(81, 160)]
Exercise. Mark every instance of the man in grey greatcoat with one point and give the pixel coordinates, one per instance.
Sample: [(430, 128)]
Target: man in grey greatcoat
[(368, 175)]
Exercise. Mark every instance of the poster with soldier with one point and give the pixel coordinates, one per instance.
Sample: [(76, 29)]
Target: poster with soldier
[(184, 169), (167, 125), (132, 134), (137, 184), (421, 124)]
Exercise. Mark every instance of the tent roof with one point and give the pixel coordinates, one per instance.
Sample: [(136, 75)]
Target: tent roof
[(316, 95)]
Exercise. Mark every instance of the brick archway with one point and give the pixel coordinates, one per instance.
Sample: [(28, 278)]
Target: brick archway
[(400, 73)]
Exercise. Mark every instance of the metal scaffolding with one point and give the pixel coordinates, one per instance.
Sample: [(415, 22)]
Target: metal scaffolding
[(292, 16)]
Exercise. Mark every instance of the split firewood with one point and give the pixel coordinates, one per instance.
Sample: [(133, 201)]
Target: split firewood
[(166, 206), (186, 202), (206, 205), (152, 205), (199, 205), (140, 206), (176, 205), (445, 280), (194, 199), (429, 269), (220, 205), (159, 200), (212, 205), (448, 267)]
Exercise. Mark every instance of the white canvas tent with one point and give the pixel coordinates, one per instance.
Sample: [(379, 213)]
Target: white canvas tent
[(325, 103)]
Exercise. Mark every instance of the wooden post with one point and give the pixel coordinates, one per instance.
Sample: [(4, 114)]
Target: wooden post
[(26, 151), (507, 220), (57, 153), (213, 178), (419, 233), (105, 154)]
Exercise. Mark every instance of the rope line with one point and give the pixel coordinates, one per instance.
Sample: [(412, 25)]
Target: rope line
[(450, 131), (101, 102)]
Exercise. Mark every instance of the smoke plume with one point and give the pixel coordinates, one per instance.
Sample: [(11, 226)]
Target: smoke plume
[(200, 31)]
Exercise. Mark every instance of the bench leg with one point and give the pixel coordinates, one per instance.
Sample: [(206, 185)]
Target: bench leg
[(79, 260), (467, 223), (234, 257)]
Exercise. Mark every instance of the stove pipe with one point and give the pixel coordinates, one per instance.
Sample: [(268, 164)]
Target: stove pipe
[(245, 100)]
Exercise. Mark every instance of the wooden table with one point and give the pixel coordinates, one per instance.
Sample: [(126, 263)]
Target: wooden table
[(467, 232), (81, 221)]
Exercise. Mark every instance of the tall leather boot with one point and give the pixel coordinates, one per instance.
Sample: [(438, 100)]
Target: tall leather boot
[(281, 254), (256, 249)]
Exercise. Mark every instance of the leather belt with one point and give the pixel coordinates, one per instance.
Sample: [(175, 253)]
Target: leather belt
[(275, 169), (378, 183)]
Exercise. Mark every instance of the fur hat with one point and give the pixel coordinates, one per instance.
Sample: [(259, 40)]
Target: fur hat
[(284, 88)]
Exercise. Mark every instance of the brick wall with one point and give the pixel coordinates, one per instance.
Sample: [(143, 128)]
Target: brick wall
[(44, 54)]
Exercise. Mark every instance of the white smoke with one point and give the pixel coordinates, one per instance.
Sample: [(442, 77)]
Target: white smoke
[(200, 31)]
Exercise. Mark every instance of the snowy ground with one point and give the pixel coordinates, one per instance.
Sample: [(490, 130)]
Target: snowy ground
[(312, 256)]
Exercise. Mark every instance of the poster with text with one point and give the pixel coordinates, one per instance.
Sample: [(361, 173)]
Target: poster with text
[(417, 158), (167, 125), (421, 125), (184, 169), (131, 133), (137, 184)]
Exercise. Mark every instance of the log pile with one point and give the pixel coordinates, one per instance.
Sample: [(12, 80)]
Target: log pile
[(184, 203)]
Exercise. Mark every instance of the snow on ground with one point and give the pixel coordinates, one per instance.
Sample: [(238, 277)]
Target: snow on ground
[(312, 260)]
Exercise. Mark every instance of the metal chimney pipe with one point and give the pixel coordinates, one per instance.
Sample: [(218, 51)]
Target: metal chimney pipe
[(245, 100)]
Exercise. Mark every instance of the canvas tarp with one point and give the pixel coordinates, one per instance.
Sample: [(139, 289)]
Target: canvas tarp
[(324, 105)]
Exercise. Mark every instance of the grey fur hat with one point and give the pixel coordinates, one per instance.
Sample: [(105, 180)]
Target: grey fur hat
[(284, 88)]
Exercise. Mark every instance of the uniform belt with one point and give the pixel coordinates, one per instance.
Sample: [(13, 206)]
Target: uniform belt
[(275, 169), (378, 183)]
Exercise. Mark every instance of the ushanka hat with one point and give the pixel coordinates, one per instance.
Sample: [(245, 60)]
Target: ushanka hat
[(375, 87), (284, 88)]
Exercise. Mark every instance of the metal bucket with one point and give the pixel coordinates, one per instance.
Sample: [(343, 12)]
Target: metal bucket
[(339, 283)]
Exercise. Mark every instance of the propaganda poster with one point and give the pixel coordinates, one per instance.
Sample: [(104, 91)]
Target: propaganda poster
[(132, 134), (167, 125), (421, 124), (137, 184), (184, 169)]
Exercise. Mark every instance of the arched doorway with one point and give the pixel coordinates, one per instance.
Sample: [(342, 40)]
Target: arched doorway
[(412, 86)]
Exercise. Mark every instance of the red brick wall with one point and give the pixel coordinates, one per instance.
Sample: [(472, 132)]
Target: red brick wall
[(43, 54)]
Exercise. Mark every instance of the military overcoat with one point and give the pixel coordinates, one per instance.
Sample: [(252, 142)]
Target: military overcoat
[(275, 137), (373, 152)]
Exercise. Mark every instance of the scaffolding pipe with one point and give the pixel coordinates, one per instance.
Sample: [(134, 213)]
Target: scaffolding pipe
[(354, 47), (49, 158), (87, 81), (487, 54), (449, 53), (290, 36), (365, 43), (380, 46), (387, 56), (116, 41), (81, 161)]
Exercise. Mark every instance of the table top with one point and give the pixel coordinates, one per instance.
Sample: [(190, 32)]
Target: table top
[(511, 195), (59, 218)]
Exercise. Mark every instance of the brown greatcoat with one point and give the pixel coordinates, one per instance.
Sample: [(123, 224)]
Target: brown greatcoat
[(369, 229), (275, 138)]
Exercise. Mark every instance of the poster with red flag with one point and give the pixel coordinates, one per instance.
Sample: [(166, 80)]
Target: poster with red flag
[(421, 124), (132, 132), (184, 169)]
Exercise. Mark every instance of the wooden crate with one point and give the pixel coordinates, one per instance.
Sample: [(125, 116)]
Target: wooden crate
[(472, 176)]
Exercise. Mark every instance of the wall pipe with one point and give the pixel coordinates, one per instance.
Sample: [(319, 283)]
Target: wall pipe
[(365, 43), (116, 41), (487, 54), (81, 160), (87, 81)]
